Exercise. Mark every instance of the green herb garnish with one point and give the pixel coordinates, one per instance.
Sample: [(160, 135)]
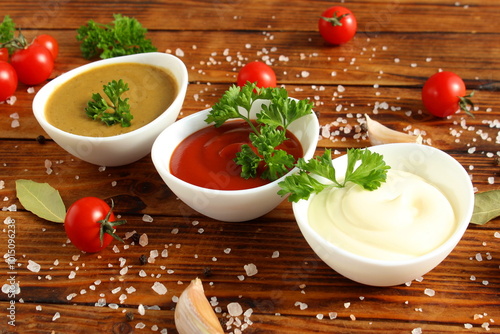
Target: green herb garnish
[(124, 36), (268, 132), (364, 168), (118, 111), (7, 30)]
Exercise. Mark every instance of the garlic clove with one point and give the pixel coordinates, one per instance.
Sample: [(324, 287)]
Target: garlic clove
[(194, 314), (380, 134)]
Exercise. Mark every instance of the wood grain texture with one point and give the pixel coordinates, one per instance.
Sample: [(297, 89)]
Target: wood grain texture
[(399, 44)]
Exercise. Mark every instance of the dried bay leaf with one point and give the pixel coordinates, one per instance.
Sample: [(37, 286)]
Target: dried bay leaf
[(41, 199), (486, 207)]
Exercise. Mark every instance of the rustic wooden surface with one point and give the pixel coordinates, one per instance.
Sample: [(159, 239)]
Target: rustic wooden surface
[(380, 72)]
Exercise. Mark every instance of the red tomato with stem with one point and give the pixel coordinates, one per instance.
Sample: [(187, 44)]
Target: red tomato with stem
[(49, 42), (90, 224), (4, 54), (33, 64), (257, 72), (8, 80), (337, 25), (444, 94)]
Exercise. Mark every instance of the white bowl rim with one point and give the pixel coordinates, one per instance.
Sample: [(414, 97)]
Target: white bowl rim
[(203, 113), (96, 64), (450, 242)]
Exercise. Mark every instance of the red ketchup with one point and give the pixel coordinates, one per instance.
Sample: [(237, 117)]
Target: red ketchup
[(206, 158)]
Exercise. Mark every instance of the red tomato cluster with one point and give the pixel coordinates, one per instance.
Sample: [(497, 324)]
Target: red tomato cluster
[(30, 65)]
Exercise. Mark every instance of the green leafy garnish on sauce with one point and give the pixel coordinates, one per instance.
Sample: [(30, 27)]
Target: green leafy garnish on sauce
[(41, 199), (269, 131), (116, 111), (124, 36), (364, 167)]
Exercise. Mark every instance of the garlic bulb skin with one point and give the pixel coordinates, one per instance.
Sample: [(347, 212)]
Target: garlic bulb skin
[(380, 134), (194, 314)]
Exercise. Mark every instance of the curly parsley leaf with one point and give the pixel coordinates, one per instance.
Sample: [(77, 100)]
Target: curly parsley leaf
[(364, 167), (270, 132), (7, 29), (116, 111), (124, 36)]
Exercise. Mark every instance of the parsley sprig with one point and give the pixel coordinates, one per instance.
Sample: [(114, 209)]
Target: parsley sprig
[(117, 111), (124, 36), (7, 29), (270, 131), (364, 168)]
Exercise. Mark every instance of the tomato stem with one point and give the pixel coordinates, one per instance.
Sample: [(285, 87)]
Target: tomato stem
[(465, 102), (16, 43), (335, 20), (109, 227)]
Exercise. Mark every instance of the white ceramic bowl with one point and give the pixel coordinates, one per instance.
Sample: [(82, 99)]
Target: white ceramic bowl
[(432, 164), (225, 205), (124, 148)]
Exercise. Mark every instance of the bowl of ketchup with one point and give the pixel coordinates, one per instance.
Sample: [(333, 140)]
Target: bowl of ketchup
[(196, 161)]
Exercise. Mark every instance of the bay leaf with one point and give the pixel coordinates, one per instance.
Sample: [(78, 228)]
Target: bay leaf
[(486, 207), (41, 199)]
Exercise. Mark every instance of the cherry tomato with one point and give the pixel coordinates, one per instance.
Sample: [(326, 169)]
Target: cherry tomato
[(257, 72), (84, 221), (8, 80), (33, 64), (337, 25), (49, 43), (443, 94), (4, 54)]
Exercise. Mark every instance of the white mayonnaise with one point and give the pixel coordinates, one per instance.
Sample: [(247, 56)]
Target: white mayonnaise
[(404, 218)]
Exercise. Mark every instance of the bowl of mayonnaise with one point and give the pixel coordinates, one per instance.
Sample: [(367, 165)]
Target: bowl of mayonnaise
[(401, 230)]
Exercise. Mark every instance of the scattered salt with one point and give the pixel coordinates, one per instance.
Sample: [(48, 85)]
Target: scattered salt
[(147, 219), (429, 292), (234, 309), (33, 266), (250, 269), (159, 288), (143, 240)]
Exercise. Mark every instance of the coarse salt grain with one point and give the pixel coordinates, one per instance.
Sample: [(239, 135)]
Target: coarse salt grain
[(147, 219), (250, 269), (143, 240), (33, 266), (276, 254), (301, 305), (56, 316), (429, 292), (159, 288), (234, 309)]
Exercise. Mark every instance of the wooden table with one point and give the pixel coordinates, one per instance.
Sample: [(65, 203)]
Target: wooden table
[(399, 44)]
